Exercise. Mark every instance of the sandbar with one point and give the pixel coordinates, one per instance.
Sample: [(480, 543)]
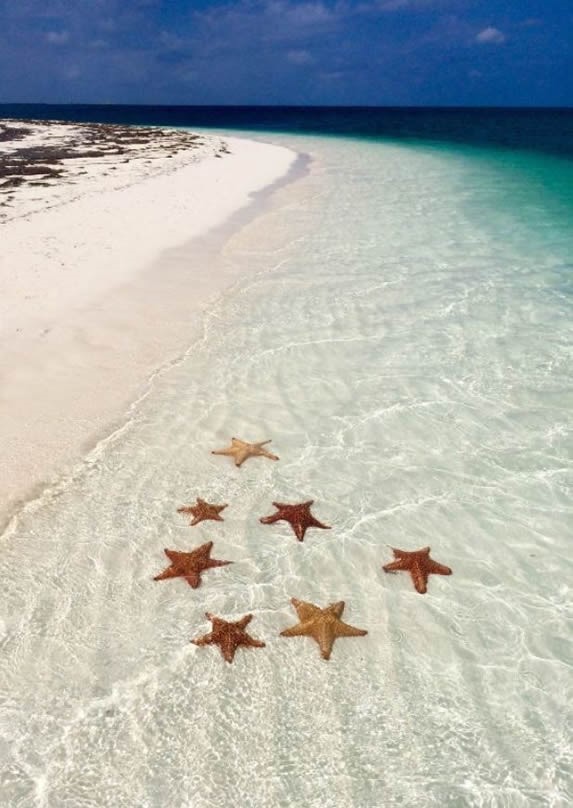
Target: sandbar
[(103, 278)]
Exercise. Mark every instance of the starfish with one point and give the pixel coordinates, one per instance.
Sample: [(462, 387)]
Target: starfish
[(241, 451), (323, 625), (190, 565), (419, 564), (202, 510), (229, 635), (299, 516)]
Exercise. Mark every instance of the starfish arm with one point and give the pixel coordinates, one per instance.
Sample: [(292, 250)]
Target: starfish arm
[(228, 649), (173, 555), (223, 452), (336, 608), (244, 621), (170, 572), (438, 569), (299, 530), (185, 509), (214, 562), (420, 579), (394, 566), (269, 520), (252, 642), (300, 630), (305, 610), (344, 630), (206, 639), (217, 518), (270, 455), (193, 579), (315, 523), (407, 553), (240, 457), (195, 521), (325, 640)]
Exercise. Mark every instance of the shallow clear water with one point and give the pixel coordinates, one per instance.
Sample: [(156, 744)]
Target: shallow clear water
[(405, 341)]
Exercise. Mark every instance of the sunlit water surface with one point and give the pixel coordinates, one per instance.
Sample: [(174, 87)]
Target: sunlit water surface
[(405, 340)]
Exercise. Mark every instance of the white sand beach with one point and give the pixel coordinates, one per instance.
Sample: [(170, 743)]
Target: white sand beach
[(102, 274)]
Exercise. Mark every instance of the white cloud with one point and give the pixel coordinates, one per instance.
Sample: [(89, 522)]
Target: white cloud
[(171, 41), (491, 35), (395, 5), (187, 74), (107, 24), (302, 14), (299, 57), (410, 5), (72, 72), (333, 75), (57, 37)]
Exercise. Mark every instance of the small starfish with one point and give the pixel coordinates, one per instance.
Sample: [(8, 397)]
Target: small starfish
[(190, 565), (202, 510), (229, 635), (299, 517), (323, 625), (241, 451), (419, 564)]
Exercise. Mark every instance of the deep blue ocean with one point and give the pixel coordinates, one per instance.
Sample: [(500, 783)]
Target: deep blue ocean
[(546, 130)]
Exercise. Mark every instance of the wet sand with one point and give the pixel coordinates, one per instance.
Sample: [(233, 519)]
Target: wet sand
[(104, 274)]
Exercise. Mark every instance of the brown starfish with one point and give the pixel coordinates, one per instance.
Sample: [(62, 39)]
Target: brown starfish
[(419, 564), (299, 517), (323, 625), (229, 635), (202, 510), (241, 451), (190, 565)]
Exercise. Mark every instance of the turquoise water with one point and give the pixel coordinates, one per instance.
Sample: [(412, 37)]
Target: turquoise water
[(405, 340)]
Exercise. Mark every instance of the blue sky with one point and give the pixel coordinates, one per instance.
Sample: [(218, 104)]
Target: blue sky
[(412, 52)]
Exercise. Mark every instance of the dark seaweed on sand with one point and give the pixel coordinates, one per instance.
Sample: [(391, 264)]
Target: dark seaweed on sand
[(41, 165)]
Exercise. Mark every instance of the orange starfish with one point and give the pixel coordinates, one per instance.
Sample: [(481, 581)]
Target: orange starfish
[(419, 564), (299, 517), (202, 510), (190, 565), (241, 451), (323, 625), (229, 635)]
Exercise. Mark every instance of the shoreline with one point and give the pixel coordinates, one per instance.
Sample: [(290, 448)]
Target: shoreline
[(79, 352)]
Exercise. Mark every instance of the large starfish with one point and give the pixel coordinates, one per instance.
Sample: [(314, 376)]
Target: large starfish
[(190, 565), (202, 510), (299, 517), (241, 451), (229, 635), (419, 564), (323, 625)]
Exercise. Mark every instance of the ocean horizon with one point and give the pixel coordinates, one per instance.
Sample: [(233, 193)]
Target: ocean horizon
[(545, 129)]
